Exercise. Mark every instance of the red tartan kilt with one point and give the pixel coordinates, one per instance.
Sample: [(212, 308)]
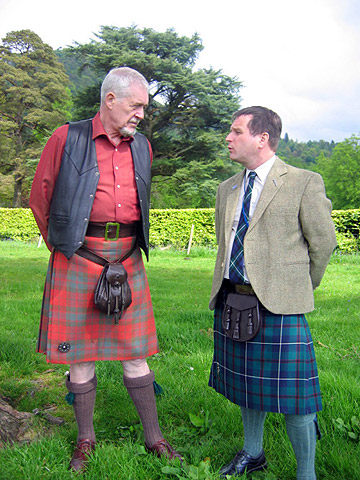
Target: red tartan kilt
[(69, 316)]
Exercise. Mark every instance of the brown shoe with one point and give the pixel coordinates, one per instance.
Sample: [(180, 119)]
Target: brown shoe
[(163, 448), (83, 450)]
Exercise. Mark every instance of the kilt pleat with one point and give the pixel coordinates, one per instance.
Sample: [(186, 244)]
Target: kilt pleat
[(276, 371), (69, 315)]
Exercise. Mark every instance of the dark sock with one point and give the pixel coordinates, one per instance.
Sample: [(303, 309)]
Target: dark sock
[(84, 402), (141, 391)]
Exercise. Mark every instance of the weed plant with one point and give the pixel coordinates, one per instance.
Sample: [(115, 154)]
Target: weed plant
[(201, 424)]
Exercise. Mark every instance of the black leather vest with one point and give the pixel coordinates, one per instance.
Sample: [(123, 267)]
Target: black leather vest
[(76, 185)]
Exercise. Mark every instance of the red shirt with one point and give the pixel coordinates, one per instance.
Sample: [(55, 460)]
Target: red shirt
[(116, 198)]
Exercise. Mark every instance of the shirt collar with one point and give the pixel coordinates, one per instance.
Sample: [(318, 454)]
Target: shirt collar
[(263, 170), (98, 130)]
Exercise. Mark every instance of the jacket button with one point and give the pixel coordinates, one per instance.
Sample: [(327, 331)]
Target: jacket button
[(64, 347)]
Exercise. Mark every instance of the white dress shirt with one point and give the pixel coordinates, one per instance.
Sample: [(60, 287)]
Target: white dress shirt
[(260, 179)]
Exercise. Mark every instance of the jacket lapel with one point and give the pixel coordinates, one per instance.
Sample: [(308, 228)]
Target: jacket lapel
[(272, 186)]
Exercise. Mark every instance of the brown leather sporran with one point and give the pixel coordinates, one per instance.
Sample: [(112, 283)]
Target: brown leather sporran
[(112, 293)]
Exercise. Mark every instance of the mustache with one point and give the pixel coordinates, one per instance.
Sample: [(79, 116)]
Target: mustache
[(129, 131)]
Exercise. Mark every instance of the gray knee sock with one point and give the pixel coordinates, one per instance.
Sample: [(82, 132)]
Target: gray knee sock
[(301, 430), (253, 422), (84, 402), (141, 391)]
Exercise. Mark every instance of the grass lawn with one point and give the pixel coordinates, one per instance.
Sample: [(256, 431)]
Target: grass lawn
[(204, 426)]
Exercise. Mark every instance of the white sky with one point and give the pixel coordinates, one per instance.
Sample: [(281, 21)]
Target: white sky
[(299, 58)]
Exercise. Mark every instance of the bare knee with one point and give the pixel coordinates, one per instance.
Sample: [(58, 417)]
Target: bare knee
[(135, 368), (82, 372)]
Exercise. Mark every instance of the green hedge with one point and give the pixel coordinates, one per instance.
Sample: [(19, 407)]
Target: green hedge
[(347, 223), (173, 227), (18, 224)]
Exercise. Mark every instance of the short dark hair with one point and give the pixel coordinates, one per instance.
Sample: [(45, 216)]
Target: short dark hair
[(263, 120)]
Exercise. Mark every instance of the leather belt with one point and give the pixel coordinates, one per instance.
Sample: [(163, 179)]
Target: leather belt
[(111, 230), (244, 289)]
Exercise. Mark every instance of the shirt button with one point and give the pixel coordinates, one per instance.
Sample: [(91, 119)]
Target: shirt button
[(119, 205), (116, 168), (116, 149), (118, 186)]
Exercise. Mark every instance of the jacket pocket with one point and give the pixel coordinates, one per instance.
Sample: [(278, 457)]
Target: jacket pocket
[(59, 219), (284, 210)]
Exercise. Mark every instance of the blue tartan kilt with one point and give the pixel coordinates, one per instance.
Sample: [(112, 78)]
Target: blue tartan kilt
[(274, 372)]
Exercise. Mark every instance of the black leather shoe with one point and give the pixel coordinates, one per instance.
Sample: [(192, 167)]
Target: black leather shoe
[(243, 462)]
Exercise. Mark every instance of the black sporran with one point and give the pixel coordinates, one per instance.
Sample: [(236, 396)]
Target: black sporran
[(241, 319), (112, 293)]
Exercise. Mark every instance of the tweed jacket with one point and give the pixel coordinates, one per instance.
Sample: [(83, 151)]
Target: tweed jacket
[(289, 240)]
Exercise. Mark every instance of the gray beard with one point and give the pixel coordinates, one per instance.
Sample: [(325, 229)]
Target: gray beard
[(125, 132)]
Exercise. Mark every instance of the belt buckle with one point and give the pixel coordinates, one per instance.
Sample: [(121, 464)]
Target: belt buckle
[(117, 232), (243, 289)]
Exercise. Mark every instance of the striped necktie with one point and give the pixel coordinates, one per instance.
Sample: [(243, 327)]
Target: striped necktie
[(236, 267)]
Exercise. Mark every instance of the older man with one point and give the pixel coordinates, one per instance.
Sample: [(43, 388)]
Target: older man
[(92, 189), (275, 238)]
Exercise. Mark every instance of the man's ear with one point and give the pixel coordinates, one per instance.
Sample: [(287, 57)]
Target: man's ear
[(110, 99), (264, 139)]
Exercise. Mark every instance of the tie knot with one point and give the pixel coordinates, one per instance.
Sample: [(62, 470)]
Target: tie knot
[(252, 175)]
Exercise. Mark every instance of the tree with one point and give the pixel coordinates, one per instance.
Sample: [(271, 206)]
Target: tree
[(301, 154), (341, 174), (188, 113), (80, 77), (34, 99)]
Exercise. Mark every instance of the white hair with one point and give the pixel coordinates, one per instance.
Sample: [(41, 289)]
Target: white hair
[(118, 81)]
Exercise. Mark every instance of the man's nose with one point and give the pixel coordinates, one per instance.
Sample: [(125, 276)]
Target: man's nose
[(140, 112)]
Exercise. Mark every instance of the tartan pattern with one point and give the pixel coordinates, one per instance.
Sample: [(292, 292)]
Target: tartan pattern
[(236, 267), (69, 313), (276, 371)]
